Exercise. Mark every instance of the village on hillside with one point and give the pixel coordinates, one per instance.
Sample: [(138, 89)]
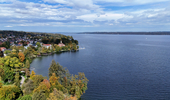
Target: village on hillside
[(42, 43)]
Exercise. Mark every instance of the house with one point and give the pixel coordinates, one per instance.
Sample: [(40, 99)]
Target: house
[(34, 45), (28, 43), (31, 42), (47, 45), (1, 43), (2, 49), (11, 43), (61, 44), (19, 44)]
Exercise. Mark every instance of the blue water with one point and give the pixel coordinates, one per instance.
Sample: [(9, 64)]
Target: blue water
[(126, 67)]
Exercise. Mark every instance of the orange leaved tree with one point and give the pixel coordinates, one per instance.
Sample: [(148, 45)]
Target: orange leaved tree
[(21, 56)]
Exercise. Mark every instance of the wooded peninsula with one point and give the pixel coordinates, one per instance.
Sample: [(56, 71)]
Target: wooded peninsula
[(18, 49)]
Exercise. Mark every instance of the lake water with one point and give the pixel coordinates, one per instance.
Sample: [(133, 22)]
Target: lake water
[(126, 67)]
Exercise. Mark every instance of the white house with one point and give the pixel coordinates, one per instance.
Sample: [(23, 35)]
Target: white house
[(47, 46)]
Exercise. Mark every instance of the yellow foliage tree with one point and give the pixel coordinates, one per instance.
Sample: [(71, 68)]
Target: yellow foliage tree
[(21, 56), (53, 80), (32, 75), (56, 95), (9, 92), (45, 86)]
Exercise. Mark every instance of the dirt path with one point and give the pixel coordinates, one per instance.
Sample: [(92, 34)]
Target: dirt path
[(22, 80)]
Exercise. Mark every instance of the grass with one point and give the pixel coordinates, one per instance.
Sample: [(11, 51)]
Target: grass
[(25, 77), (1, 81)]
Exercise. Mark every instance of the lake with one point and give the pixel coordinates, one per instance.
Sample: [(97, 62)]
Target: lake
[(126, 67)]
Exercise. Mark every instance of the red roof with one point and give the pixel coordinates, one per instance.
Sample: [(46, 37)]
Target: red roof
[(2, 48), (61, 44), (46, 44)]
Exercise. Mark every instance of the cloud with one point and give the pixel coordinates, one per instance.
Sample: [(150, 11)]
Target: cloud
[(81, 4), (130, 2), (8, 26), (105, 17), (7, 1), (85, 14)]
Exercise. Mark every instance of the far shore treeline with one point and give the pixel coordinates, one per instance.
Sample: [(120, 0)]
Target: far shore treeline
[(18, 49), (128, 33)]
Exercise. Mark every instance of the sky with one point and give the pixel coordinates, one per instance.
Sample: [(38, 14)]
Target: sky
[(85, 15)]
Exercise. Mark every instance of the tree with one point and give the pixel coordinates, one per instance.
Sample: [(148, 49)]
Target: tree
[(8, 75), (57, 69), (38, 44), (78, 84), (21, 56), (53, 81), (1, 53), (74, 46), (39, 95), (38, 79), (9, 92), (7, 51), (28, 87), (26, 97), (1, 85), (44, 86), (27, 72), (58, 49), (32, 75), (2, 74), (56, 95), (27, 64), (17, 82), (82, 82)]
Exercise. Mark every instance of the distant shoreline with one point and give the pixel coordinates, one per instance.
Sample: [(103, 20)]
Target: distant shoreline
[(128, 33)]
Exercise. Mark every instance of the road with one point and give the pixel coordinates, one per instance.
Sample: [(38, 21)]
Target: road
[(22, 80)]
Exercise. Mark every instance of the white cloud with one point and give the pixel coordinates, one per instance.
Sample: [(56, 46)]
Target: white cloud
[(80, 14), (8, 26), (7, 0), (85, 4), (106, 17), (131, 2)]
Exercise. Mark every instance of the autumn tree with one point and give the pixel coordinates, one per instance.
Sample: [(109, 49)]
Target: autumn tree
[(21, 56), (78, 85), (39, 95), (82, 82), (2, 74), (38, 79), (9, 92), (57, 69), (28, 87), (53, 80), (56, 95), (43, 86), (32, 75), (17, 82), (1, 85), (9, 75), (74, 46), (27, 64)]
